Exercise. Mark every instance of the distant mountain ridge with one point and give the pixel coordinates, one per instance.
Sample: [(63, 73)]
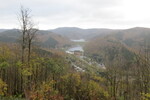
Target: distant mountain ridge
[(78, 33), (2, 30), (63, 35), (45, 38)]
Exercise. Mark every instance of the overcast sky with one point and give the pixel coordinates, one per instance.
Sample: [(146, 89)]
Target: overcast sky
[(51, 14)]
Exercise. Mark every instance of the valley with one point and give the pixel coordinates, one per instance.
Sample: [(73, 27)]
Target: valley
[(74, 50), (110, 61)]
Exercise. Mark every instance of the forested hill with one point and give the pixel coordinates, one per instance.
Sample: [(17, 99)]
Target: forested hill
[(79, 33), (125, 54), (45, 38), (135, 38)]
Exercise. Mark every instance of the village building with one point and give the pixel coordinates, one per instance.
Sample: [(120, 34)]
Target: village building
[(78, 51)]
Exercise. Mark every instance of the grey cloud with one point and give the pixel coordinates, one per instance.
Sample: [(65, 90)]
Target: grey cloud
[(55, 13)]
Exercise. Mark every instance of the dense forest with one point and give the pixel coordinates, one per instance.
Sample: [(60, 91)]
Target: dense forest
[(29, 71)]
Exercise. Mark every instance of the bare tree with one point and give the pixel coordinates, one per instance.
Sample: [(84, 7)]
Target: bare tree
[(31, 34), (28, 31), (23, 19)]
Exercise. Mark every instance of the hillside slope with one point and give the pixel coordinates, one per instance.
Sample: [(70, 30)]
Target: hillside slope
[(78, 33), (136, 38), (45, 38), (108, 50)]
